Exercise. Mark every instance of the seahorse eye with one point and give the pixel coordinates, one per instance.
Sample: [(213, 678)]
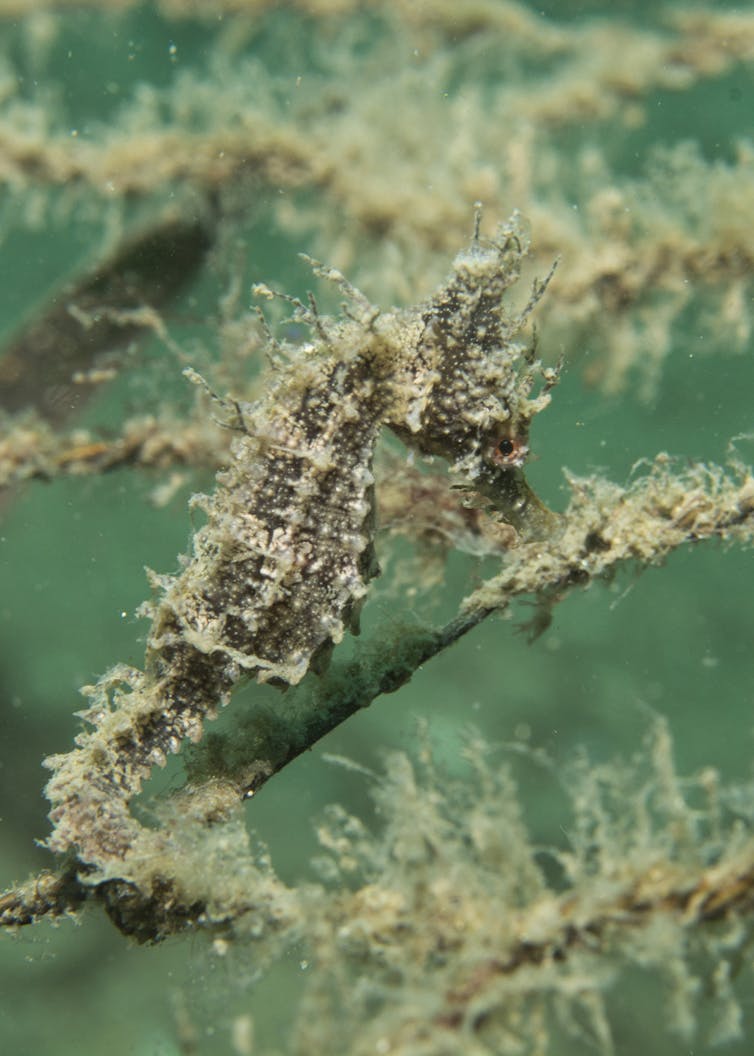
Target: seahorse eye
[(509, 451)]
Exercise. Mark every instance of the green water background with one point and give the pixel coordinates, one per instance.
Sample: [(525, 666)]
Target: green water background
[(71, 574)]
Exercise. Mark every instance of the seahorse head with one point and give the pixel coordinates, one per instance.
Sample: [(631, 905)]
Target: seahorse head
[(474, 380)]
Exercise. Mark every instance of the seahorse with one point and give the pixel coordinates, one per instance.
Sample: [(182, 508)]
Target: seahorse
[(283, 561)]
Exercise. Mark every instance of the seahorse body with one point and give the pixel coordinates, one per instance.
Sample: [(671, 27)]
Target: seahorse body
[(283, 562)]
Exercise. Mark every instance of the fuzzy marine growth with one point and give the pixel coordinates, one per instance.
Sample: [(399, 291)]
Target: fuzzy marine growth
[(280, 568)]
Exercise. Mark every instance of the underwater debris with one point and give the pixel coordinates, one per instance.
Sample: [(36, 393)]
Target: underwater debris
[(50, 365)]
